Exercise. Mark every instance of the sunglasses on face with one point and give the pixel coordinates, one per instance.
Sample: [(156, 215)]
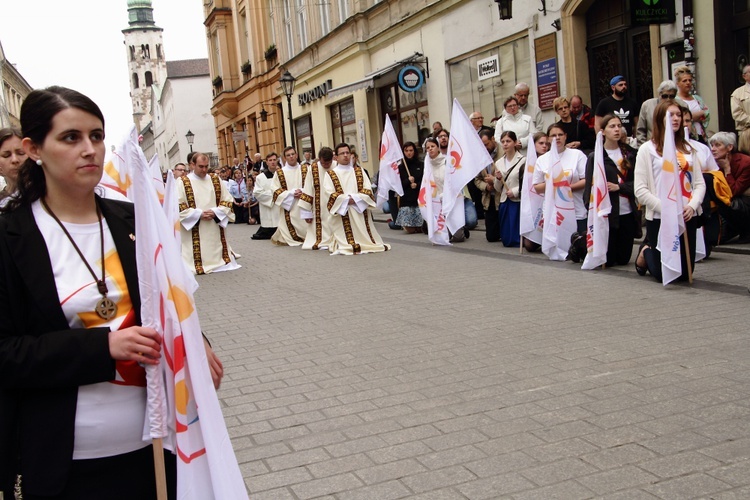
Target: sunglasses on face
[(668, 96)]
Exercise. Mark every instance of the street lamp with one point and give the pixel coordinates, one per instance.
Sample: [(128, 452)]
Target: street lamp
[(190, 138), (287, 85)]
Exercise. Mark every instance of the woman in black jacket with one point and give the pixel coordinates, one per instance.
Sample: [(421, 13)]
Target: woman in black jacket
[(619, 166), (411, 172)]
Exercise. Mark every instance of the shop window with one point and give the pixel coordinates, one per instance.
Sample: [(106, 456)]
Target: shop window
[(343, 122), (408, 112), (304, 133), (488, 95)]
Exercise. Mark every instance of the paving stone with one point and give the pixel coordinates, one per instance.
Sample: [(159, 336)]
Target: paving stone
[(332, 467), (398, 452), (556, 472), (329, 485), (392, 470), (494, 487), (560, 491), (433, 480), (385, 491), (618, 479), (679, 464), (691, 486)]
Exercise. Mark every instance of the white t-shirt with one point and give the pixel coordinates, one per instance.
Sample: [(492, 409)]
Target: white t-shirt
[(616, 156), (109, 415), (574, 166)]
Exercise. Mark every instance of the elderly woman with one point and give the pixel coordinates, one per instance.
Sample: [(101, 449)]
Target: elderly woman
[(514, 120), (683, 77), (736, 168), (12, 157), (579, 135)]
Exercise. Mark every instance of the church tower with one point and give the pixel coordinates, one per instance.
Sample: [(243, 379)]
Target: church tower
[(147, 64)]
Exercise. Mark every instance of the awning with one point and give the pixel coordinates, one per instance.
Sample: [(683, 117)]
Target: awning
[(368, 82)]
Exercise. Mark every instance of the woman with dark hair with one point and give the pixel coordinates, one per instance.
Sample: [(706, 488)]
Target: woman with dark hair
[(508, 175), (648, 169), (411, 171), (73, 398), (12, 156), (619, 167)]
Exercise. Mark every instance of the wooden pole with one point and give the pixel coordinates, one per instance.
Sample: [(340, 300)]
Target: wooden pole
[(159, 469), (687, 256), (520, 247)]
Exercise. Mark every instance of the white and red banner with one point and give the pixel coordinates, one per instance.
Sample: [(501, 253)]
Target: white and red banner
[(431, 206), (466, 157), (391, 155), (670, 194), (183, 407), (559, 211), (600, 206), (532, 203)]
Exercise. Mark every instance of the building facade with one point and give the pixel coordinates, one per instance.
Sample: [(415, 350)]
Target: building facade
[(183, 104), (353, 60), (14, 91), (243, 59), (144, 50)]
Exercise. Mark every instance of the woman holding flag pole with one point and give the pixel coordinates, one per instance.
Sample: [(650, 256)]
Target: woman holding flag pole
[(72, 382), (619, 167), (669, 184)]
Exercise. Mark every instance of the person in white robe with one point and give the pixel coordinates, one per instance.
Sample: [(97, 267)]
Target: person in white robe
[(313, 208), (288, 182), (205, 210), (349, 198), (263, 192)]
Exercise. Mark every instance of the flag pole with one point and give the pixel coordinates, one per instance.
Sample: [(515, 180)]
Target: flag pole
[(520, 247), (159, 469), (687, 256)]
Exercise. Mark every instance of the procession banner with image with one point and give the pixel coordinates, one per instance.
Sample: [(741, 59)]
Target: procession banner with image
[(390, 156), (600, 206), (532, 203)]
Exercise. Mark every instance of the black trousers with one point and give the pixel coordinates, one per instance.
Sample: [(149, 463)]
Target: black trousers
[(122, 477), (620, 244), (491, 221), (653, 256)]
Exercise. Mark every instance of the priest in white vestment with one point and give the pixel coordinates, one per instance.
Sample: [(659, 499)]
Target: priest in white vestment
[(313, 208), (205, 211), (263, 192), (348, 194), (287, 183)]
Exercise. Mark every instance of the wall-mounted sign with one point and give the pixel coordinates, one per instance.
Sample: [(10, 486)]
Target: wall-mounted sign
[(314, 94), (239, 136), (652, 11), (547, 84), (410, 78), (487, 68)]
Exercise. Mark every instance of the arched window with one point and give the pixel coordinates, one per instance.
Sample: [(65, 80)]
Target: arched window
[(132, 52), (158, 52), (147, 52), (149, 79), (135, 80)]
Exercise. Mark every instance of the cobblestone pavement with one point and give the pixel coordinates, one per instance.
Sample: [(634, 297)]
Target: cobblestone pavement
[(475, 372)]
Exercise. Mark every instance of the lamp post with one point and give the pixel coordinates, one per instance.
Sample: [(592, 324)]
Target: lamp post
[(190, 138), (287, 85)]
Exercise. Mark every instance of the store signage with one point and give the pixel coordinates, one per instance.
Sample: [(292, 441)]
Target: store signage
[(652, 11), (410, 78), (488, 68), (547, 82), (314, 94)]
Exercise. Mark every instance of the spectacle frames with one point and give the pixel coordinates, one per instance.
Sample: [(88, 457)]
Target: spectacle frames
[(668, 96)]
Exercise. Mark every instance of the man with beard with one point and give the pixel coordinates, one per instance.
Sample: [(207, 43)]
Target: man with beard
[(312, 206), (288, 182), (618, 104), (263, 192)]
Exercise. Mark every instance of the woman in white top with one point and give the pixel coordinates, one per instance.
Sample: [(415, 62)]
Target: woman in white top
[(647, 176), (508, 175), (516, 121), (683, 77)]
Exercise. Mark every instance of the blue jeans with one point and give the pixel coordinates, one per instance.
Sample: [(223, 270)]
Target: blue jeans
[(470, 212)]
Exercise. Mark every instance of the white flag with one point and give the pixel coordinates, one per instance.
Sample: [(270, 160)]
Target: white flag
[(466, 157), (390, 156), (431, 207), (156, 177), (559, 211), (185, 397), (117, 175), (532, 203), (600, 206), (670, 195)]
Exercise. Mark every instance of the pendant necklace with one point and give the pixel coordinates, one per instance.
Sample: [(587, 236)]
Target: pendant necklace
[(105, 307)]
